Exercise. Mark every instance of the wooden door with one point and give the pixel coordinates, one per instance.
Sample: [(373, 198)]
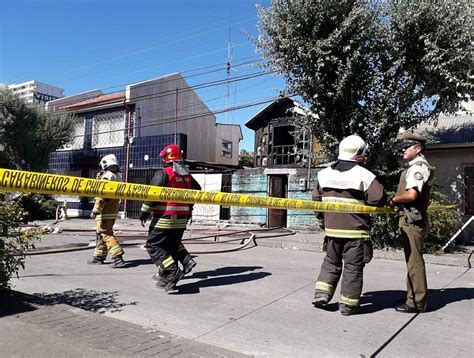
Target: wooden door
[(278, 187)]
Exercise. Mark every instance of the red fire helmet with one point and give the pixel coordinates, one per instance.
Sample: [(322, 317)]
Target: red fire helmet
[(171, 153)]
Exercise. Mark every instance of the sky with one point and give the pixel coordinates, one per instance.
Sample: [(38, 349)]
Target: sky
[(81, 45)]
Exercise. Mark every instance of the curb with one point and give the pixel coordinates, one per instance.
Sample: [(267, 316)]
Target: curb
[(459, 260)]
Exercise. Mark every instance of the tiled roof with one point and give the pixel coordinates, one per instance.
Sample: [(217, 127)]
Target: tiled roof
[(100, 100), (458, 129)]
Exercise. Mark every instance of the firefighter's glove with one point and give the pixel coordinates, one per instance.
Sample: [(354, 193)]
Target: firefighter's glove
[(324, 248), (143, 218), (320, 223)]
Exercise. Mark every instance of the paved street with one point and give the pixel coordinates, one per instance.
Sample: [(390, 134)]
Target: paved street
[(252, 302)]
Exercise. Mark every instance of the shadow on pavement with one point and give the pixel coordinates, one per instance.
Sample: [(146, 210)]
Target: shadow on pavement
[(12, 302), (229, 276), (228, 270), (380, 300), (136, 263), (88, 300)]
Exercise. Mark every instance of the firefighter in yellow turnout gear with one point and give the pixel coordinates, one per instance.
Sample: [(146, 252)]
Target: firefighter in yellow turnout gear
[(346, 241), (105, 212)]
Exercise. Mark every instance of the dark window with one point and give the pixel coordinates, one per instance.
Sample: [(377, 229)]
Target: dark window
[(469, 182), (284, 135), (226, 149)]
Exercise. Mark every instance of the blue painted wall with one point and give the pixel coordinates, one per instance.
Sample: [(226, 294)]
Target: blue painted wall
[(255, 182)]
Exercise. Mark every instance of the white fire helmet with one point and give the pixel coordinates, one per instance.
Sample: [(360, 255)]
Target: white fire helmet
[(352, 148), (108, 161)]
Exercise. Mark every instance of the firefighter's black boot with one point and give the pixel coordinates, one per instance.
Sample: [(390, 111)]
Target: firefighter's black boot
[(118, 262), (160, 281), (95, 261), (171, 278), (320, 299), (188, 264), (348, 310)]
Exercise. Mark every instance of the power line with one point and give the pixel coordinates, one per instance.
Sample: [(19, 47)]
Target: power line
[(149, 68), (221, 66), (199, 86), (172, 119), (175, 40), (158, 46)]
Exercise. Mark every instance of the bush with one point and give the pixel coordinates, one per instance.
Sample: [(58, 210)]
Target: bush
[(443, 225), (38, 206), (14, 243)]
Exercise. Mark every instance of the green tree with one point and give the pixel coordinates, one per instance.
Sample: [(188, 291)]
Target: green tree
[(370, 67), (29, 133), (14, 242), (246, 158)]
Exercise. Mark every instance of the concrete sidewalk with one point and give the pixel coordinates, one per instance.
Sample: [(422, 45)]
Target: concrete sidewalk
[(253, 302)]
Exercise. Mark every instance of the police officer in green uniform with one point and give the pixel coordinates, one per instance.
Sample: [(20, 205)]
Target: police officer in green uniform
[(411, 202)]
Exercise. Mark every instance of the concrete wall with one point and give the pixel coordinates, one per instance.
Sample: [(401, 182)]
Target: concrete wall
[(155, 104), (449, 178), (449, 172)]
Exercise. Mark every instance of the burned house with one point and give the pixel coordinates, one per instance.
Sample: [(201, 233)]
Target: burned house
[(284, 166)]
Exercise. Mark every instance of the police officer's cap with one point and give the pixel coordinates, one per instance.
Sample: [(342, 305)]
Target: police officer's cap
[(409, 138)]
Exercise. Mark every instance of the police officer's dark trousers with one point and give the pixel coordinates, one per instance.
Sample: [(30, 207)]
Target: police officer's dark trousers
[(413, 237), (347, 252)]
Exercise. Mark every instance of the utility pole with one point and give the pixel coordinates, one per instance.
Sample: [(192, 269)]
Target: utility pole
[(176, 119), (228, 67)]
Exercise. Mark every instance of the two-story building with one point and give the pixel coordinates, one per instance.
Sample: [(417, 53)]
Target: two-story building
[(135, 125)]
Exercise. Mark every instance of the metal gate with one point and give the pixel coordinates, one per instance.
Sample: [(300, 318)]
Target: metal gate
[(138, 176)]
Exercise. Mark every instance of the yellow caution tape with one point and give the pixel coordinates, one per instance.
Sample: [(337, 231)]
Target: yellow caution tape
[(22, 181)]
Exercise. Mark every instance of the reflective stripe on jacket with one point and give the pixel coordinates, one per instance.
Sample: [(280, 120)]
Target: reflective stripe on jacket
[(107, 209), (170, 207), (348, 183)]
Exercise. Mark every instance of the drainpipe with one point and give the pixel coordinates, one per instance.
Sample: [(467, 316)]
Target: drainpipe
[(127, 151)]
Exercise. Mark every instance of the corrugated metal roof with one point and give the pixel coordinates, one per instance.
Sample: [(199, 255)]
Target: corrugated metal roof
[(457, 129)]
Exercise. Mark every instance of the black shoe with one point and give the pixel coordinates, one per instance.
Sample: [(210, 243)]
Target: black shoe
[(95, 261), (320, 300), (172, 281), (348, 310), (118, 262), (188, 265), (407, 309)]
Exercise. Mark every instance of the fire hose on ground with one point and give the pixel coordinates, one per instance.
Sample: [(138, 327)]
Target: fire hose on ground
[(244, 242)]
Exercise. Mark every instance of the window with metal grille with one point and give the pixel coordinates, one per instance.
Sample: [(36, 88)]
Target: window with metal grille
[(469, 185), (77, 141), (226, 149), (108, 130)]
